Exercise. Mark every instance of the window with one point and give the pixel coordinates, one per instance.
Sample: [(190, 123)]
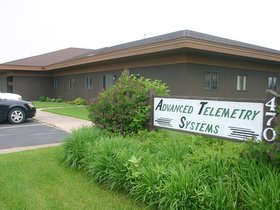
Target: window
[(109, 80), (88, 82), (71, 83), (55, 83), (241, 82), (138, 75), (272, 83), (10, 84), (211, 80)]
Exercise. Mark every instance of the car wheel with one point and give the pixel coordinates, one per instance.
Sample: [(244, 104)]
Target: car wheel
[(16, 116)]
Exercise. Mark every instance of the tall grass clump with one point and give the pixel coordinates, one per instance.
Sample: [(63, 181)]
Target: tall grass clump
[(168, 170), (108, 161), (259, 185), (77, 143)]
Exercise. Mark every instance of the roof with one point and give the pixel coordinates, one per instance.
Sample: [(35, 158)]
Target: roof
[(184, 34), (50, 58), (175, 40)]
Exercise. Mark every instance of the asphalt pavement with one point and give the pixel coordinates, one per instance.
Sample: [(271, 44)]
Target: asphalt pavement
[(29, 134), (45, 130)]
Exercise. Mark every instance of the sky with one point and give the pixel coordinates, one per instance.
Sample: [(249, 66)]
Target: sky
[(33, 27)]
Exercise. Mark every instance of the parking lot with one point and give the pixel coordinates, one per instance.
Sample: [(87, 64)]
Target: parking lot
[(30, 133)]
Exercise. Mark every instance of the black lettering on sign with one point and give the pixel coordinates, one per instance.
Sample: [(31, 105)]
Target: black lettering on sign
[(159, 104)]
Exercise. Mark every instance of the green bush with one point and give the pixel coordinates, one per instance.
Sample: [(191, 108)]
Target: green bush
[(78, 101), (263, 151), (43, 98), (47, 99), (59, 100), (124, 107)]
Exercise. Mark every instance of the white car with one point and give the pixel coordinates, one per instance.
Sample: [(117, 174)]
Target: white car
[(10, 96)]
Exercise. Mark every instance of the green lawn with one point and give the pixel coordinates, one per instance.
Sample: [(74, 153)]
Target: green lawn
[(77, 112), (40, 104), (39, 180)]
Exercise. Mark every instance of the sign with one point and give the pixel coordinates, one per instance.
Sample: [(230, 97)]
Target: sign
[(228, 119), (270, 116)]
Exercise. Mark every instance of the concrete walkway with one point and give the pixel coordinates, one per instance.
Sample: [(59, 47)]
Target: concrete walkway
[(62, 122)]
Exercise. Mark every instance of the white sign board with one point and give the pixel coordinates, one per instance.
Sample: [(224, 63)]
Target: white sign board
[(235, 120)]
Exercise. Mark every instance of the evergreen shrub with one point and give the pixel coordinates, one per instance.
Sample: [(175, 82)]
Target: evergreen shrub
[(124, 107)]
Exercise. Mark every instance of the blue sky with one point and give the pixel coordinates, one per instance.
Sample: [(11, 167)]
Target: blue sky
[(32, 27)]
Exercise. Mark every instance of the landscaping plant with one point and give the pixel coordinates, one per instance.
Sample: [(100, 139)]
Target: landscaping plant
[(169, 170), (124, 107), (78, 101)]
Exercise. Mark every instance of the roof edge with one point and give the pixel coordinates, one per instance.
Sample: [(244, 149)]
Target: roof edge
[(21, 67), (180, 43)]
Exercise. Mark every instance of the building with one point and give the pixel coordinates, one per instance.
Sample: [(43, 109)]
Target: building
[(191, 63)]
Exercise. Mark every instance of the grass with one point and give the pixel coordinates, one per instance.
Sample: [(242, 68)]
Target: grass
[(39, 104), (77, 111), (39, 180)]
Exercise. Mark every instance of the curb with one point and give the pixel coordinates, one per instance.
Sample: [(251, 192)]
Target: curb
[(20, 149)]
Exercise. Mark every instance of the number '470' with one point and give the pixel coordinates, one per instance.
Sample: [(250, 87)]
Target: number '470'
[(269, 133)]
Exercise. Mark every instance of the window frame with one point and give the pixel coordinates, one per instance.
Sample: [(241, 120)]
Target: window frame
[(274, 82), (241, 82), (88, 82), (208, 84), (72, 82), (55, 83)]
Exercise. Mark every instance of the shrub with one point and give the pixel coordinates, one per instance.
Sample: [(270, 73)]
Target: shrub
[(124, 107), (47, 99), (263, 151), (78, 101), (43, 98), (58, 100)]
